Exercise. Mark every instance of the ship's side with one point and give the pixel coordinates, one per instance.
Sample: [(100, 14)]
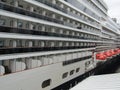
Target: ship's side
[(46, 43)]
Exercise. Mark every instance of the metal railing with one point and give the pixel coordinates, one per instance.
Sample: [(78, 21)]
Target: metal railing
[(38, 32), (11, 50), (52, 5), (28, 13)]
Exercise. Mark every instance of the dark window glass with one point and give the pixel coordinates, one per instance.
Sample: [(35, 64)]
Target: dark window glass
[(46, 83), (1, 43), (72, 72), (20, 24), (2, 22), (77, 70), (65, 75)]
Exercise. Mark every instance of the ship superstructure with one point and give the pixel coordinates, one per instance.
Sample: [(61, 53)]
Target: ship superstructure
[(46, 43)]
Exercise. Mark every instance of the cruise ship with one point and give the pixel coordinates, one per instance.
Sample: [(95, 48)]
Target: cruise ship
[(53, 44)]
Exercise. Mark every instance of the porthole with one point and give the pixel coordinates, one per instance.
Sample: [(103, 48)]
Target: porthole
[(72, 72), (77, 70), (65, 75), (46, 83)]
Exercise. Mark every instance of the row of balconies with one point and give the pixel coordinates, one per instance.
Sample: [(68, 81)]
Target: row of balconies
[(68, 12), (8, 50), (72, 13), (95, 7), (84, 19), (19, 23), (44, 17), (20, 64), (52, 5), (106, 31), (87, 11), (26, 12), (98, 2), (45, 33), (43, 44), (17, 46), (105, 48)]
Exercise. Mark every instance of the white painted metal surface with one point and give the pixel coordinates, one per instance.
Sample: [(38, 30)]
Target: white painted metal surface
[(23, 55), (32, 79), (101, 82)]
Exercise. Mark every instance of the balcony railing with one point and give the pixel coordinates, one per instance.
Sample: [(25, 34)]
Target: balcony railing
[(38, 32), (28, 13), (63, 10), (83, 19), (22, 11), (8, 50), (52, 5)]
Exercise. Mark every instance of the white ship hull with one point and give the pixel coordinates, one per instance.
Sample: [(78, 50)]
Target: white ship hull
[(48, 43)]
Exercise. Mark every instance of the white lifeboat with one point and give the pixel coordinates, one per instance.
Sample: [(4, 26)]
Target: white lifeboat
[(32, 63), (2, 70), (16, 66)]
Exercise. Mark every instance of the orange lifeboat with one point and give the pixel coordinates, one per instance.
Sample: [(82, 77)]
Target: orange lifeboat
[(118, 51), (108, 53), (112, 52), (101, 56)]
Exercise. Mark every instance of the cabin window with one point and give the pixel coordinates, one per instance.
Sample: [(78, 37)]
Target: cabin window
[(46, 83), (77, 70), (39, 27), (87, 63), (27, 25), (34, 27), (11, 23), (2, 22), (72, 72), (20, 5), (42, 43), (20, 24), (13, 43), (30, 43), (20, 43), (1, 43), (65, 75)]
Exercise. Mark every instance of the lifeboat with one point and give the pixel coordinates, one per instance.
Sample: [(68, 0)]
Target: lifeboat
[(2, 70), (108, 53), (16, 66), (112, 52), (33, 63), (118, 51), (101, 56)]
